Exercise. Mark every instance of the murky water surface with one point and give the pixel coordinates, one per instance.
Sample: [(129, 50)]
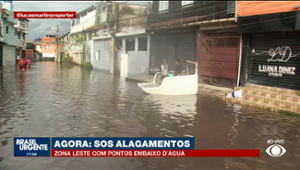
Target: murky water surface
[(49, 100)]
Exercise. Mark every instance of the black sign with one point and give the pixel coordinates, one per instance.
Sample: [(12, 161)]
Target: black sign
[(278, 67)]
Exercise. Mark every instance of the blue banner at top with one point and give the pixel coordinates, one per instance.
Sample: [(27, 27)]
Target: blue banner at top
[(128, 143)]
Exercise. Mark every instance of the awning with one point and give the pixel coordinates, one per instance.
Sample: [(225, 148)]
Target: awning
[(49, 55)]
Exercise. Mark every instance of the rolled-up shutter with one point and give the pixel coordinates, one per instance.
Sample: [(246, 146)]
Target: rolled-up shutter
[(284, 69)]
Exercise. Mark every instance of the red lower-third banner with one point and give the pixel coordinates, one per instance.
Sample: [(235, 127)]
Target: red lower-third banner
[(155, 153)]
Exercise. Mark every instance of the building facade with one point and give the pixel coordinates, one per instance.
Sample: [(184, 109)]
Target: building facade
[(203, 31), (21, 31), (81, 34), (9, 36), (270, 54), (49, 47), (270, 45), (132, 43)]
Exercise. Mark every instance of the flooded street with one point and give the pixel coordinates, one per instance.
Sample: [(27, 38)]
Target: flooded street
[(54, 101)]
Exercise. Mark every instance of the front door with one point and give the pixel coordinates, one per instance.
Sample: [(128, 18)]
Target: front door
[(8, 57)]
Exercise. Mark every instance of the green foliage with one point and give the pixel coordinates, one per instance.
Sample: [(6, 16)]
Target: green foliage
[(289, 113), (78, 38), (48, 59), (64, 58), (87, 65)]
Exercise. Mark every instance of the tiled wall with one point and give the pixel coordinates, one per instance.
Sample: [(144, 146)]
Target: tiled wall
[(270, 97)]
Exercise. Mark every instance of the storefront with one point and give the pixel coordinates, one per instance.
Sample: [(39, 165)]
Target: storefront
[(271, 50), (218, 54), (275, 59), (171, 45)]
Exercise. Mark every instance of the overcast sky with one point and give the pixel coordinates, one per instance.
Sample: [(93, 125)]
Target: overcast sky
[(38, 26)]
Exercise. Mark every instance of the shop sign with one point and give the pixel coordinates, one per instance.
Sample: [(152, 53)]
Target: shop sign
[(280, 55)]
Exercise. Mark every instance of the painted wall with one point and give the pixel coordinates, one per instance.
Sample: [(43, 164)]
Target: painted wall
[(132, 17), (9, 61), (88, 50), (85, 22), (48, 41), (138, 63), (76, 57), (248, 8), (10, 38), (104, 47)]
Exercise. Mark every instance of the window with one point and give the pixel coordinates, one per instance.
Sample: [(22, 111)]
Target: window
[(97, 55), (7, 30), (186, 2), (49, 46), (143, 44), (130, 45), (163, 5)]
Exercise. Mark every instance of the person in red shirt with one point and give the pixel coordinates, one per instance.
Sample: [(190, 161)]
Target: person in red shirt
[(22, 64)]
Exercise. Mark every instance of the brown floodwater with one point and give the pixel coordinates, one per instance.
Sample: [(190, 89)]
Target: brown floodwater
[(54, 101)]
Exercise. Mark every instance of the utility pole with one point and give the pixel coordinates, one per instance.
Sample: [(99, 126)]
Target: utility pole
[(113, 38), (57, 43)]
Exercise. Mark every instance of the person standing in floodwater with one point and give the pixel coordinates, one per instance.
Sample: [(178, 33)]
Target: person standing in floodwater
[(22, 65), (28, 62), (165, 69)]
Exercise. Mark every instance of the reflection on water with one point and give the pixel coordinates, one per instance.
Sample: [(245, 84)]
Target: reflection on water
[(51, 100), (178, 112)]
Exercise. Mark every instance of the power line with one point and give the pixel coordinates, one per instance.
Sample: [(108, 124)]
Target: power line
[(179, 14)]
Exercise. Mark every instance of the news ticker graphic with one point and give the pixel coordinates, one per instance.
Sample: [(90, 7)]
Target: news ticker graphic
[(48, 14), (118, 147)]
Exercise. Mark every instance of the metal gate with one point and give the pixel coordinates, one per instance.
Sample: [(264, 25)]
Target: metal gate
[(186, 48), (275, 59), (218, 59)]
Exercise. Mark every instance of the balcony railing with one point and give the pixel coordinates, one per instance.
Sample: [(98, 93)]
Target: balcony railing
[(21, 43), (21, 25), (194, 13)]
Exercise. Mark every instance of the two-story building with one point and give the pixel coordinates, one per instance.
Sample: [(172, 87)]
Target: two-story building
[(49, 47), (80, 38), (9, 39), (203, 31), (131, 42), (22, 29), (39, 46)]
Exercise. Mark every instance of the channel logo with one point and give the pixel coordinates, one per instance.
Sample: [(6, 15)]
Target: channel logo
[(39, 146), (276, 150)]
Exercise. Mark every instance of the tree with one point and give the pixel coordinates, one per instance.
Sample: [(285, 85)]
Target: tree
[(78, 40)]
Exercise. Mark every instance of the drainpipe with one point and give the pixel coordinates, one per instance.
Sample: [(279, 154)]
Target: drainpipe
[(240, 60)]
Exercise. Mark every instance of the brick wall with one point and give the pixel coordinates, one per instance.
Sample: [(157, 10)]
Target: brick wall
[(270, 97)]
